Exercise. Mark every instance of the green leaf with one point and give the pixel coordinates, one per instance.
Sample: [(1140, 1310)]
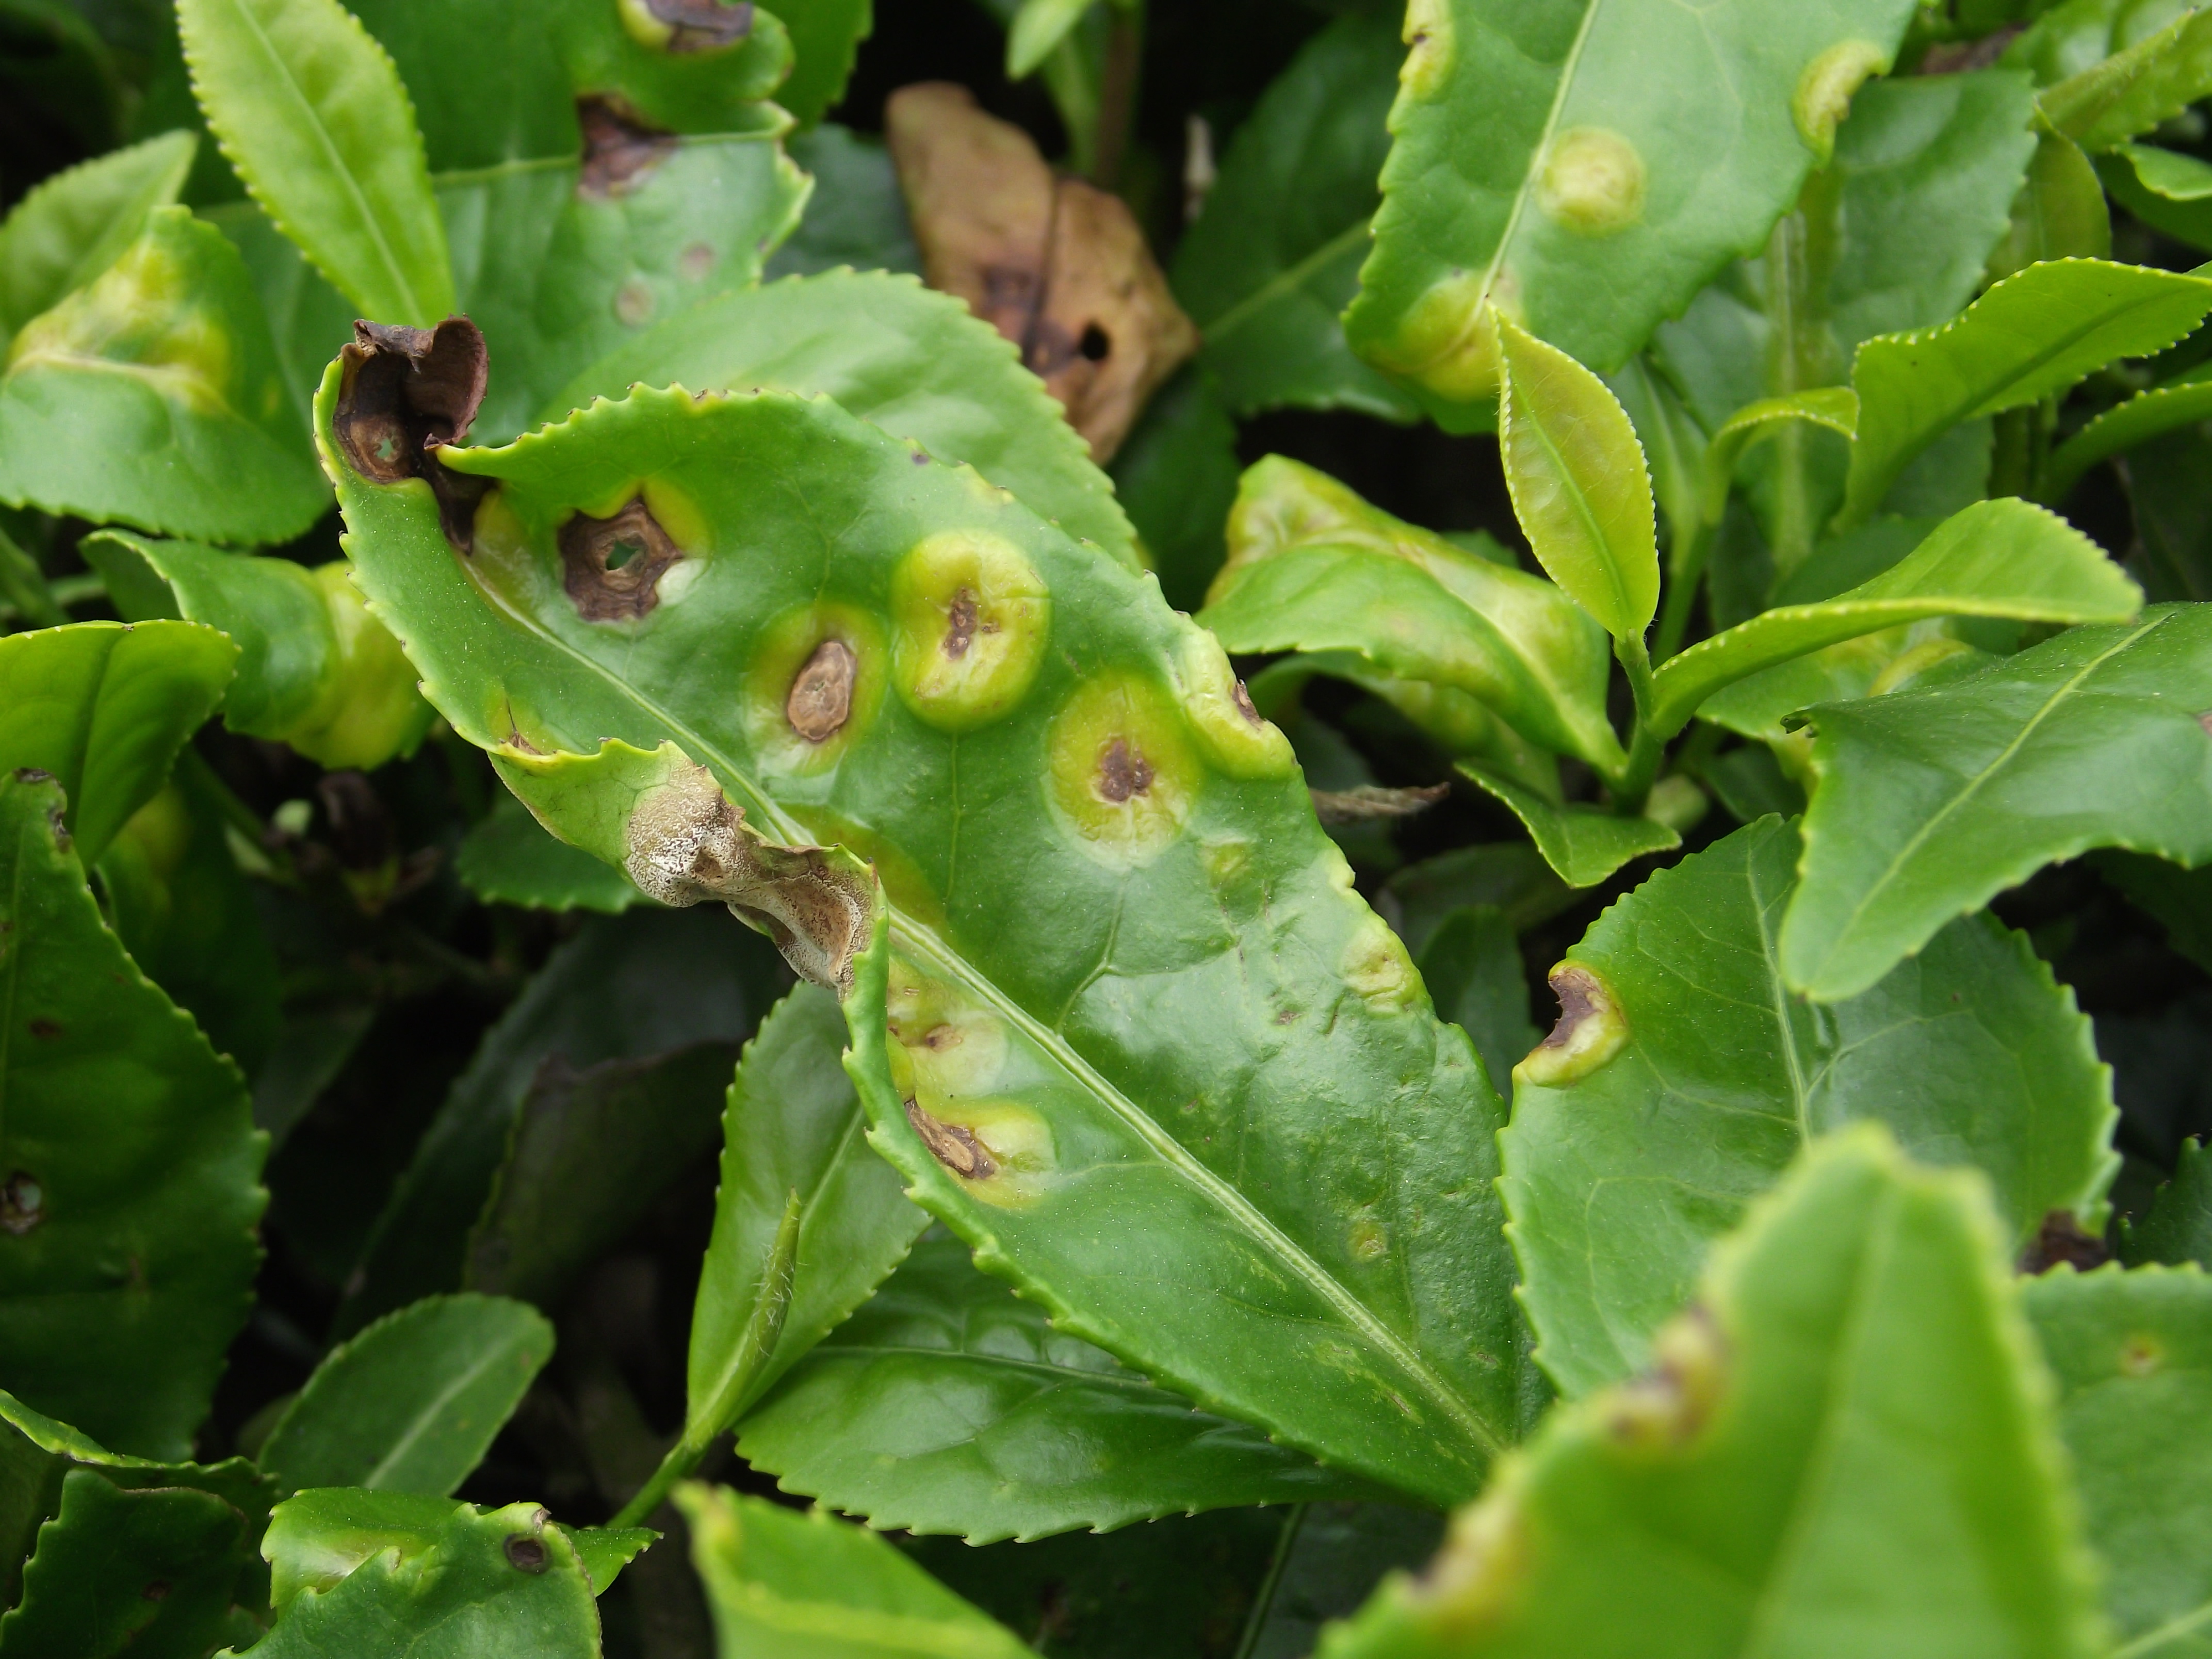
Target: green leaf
[(145, 1571), (1930, 802), (315, 670), (397, 1575), (793, 1126), (2000, 558), (1849, 1434), (508, 858), (1275, 255), (1038, 28), (2031, 336), (412, 1402), (104, 709), (1176, 476), (1510, 876), (856, 215), (785, 1585), (900, 356), (1583, 844), (1311, 1236), (1580, 488), (594, 1151), (1314, 568), (1332, 1555), (606, 1550), (826, 38), (152, 396), (130, 1161), (601, 996), (2183, 401), (2168, 173), (1969, 1055), (2179, 1227), (946, 1404), (2132, 1355), (1575, 169), (311, 111), (2060, 212), (2137, 88), (1472, 964), (75, 225)]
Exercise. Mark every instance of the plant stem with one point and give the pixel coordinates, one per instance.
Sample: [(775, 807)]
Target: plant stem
[(1117, 92), (1293, 1524), (1645, 750), (681, 1459)]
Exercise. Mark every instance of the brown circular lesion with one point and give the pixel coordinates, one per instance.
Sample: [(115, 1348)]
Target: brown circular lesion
[(820, 698), (612, 567), (961, 623), (1123, 772), (527, 1553)]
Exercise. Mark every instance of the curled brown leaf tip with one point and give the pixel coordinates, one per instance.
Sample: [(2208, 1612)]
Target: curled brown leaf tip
[(618, 146), (703, 25), (612, 566), (1369, 802), (403, 393)]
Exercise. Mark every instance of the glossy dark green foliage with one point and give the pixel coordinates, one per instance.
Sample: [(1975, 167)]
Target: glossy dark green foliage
[(1473, 966), (947, 1405), (2178, 1227), (1329, 1560), (1176, 476), (507, 858), (855, 217), (130, 1161)]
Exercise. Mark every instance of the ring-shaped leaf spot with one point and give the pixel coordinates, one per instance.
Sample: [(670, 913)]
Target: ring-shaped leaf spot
[(1823, 95), (947, 1045), (1123, 775), (815, 685), (1592, 181), (970, 616), (1235, 737)]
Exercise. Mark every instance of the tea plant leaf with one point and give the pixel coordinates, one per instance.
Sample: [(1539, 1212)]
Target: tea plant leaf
[(785, 1585), (1852, 1417), (152, 398), (2137, 88), (2182, 401), (2031, 335), (606, 1550), (802, 527), (132, 1163), (2132, 1354), (1314, 568), (508, 858), (412, 1402), (1583, 844), (826, 38), (2179, 1227), (103, 709), (311, 111), (856, 215), (1176, 476), (1276, 254), (946, 1405), (315, 670), (2167, 190), (2000, 558), (1580, 487), (1969, 1053), (1038, 28), (1575, 169), (75, 225), (1931, 802), (900, 356), (1472, 964), (398, 1576)]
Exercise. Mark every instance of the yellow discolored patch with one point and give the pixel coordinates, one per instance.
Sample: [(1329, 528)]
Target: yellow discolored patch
[(1429, 52), (1823, 91), (1446, 341), (815, 684), (643, 26), (1592, 182), (1669, 1405), (139, 318), (1123, 774), (944, 1047), (970, 616), (1001, 1151), (1591, 1031), (1231, 731), (1368, 1242), (1374, 964)]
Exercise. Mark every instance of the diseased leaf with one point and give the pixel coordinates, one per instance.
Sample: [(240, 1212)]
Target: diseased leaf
[(1851, 1418), (2029, 336), (785, 1585), (2132, 1355), (1472, 964), (2179, 1227), (129, 1163), (1358, 1219), (508, 858), (946, 1404), (152, 398), (75, 225), (1572, 166), (606, 1550), (1313, 568), (1583, 844), (103, 709), (315, 670), (1683, 1078), (1931, 801), (1276, 254), (411, 1403), (311, 111)]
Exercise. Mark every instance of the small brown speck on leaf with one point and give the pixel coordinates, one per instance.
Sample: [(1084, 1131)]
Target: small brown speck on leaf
[(952, 1146), (960, 625), (32, 774), (1243, 699), (612, 566), (938, 1038), (703, 25), (619, 147), (2205, 719), (405, 393), (1122, 772), (1579, 999), (821, 699), (45, 1028)]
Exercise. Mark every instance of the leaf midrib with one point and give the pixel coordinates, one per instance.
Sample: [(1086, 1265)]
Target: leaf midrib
[(1286, 280), (428, 1416), (1568, 66)]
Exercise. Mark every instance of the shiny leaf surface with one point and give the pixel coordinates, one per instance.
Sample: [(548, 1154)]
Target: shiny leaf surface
[(508, 858), (1583, 844)]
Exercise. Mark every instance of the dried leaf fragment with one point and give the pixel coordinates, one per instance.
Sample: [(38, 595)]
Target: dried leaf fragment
[(1369, 802), (403, 394), (1058, 266)]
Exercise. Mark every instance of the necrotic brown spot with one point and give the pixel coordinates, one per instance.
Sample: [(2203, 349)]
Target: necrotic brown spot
[(45, 1028), (1579, 998), (952, 1146), (617, 148), (1244, 700), (403, 393), (1123, 772), (23, 1203), (703, 25), (960, 625), (527, 1553), (612, 566), (821, 696)]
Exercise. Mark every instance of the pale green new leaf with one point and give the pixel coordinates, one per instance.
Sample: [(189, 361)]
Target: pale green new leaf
[(2170, 172), (2137, 88), (947, 1405), (2170, 205), (1930, 802), (1619, 1179), (1998, 558), (2185, 399), (411, 1403), (1038, 28), (2033, 335), (311, 111), (1587, 167), (1847, 1447), (75, 225), (787, 1585), (1583, 844)]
